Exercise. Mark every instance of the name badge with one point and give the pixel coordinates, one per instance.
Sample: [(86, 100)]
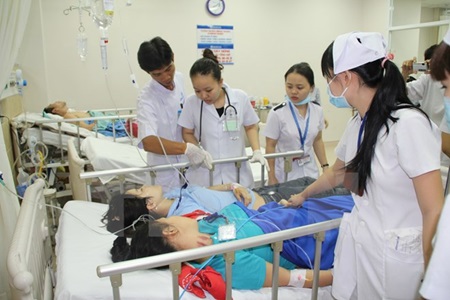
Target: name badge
[(227, 232), (304, 160), (231, 124)]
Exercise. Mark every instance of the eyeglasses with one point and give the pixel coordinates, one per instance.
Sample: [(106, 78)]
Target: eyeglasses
[(159, 73)]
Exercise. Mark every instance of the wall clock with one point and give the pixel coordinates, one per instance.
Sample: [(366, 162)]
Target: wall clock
[(215, 7)]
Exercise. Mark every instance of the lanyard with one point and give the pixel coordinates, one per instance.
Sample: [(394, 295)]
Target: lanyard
[(361, 130), (302, 137)]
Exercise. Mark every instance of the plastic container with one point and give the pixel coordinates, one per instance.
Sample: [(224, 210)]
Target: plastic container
[(22, 182)]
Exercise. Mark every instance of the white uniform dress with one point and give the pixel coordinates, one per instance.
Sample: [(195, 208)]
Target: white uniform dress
[(435, 284), (430, 95), (216, 140), (282, 127), (157, 113), (379, 252)]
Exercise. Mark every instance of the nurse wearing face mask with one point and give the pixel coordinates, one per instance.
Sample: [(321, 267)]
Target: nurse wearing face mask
[(216, 117), (294, 124), (389, 157)]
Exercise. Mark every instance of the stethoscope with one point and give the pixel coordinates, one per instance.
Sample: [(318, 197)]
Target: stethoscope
[(224, 112)]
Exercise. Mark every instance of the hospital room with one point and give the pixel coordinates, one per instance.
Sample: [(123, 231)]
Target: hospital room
[(105, 102)]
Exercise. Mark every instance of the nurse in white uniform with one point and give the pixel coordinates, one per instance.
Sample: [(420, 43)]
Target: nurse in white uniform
[(158, 107), (296, 123), (435, 284), (389, 158), (217, 117)]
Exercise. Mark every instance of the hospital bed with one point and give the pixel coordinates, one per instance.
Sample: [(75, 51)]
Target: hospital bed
[(128, 163), (84, 268), (40, 143), (54, 131)]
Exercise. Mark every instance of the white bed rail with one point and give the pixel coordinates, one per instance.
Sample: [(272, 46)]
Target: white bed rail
[(30, 254), (77, 120), (174, 259), (287, 156)]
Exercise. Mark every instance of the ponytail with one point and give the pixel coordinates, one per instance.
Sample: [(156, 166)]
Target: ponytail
[(391, 95)]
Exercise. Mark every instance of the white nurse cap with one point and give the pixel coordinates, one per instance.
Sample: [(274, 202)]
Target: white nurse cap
[(355, 49)]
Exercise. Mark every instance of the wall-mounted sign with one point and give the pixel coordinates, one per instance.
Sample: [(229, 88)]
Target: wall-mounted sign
[(218, 38)]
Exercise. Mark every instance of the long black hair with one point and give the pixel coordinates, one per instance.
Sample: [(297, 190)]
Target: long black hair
[(123, 211), (390, 95), (148, 240)]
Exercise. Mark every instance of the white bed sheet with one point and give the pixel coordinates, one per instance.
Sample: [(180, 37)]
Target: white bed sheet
[(107, 155), (104, 155), (82, 243)]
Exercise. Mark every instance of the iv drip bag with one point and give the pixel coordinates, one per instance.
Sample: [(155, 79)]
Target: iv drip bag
[(82, 45), (102, 13)]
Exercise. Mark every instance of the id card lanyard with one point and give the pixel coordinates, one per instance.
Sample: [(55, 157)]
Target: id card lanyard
[(361, 130), (302, 137)]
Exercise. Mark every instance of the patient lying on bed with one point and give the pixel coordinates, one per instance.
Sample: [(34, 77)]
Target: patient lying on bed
[(252, 268), (105, 127), (125, 209)]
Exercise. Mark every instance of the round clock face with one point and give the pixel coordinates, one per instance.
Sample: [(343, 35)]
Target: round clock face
[(215, 7)]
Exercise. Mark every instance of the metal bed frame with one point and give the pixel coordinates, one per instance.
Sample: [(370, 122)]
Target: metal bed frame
[(115, 270), (62, 160), (287, 156)]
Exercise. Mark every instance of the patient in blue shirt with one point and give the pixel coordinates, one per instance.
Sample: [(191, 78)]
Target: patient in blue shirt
[(252, 268), (124, 209)]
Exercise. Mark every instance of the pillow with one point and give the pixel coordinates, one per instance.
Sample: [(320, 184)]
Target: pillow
[(52, 116)]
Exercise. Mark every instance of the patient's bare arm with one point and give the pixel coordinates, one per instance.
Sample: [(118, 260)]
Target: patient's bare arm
[(82, 124)]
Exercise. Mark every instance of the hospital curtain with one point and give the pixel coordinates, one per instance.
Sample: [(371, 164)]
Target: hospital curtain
[(13, 20)]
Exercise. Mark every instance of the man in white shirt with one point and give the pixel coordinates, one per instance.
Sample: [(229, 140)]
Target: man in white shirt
[(158, 107)]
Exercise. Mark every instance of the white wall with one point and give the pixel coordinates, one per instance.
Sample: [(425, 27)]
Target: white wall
[(269, 36)]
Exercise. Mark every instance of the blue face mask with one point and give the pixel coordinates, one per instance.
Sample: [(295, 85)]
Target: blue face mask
[(339, 102), (447, 110), (304, 101)]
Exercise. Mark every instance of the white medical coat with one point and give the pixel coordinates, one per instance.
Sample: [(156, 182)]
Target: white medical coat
[(157, 114), (429, 94), (281, 126), (435, 284), (379, 252), (217, 141)]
